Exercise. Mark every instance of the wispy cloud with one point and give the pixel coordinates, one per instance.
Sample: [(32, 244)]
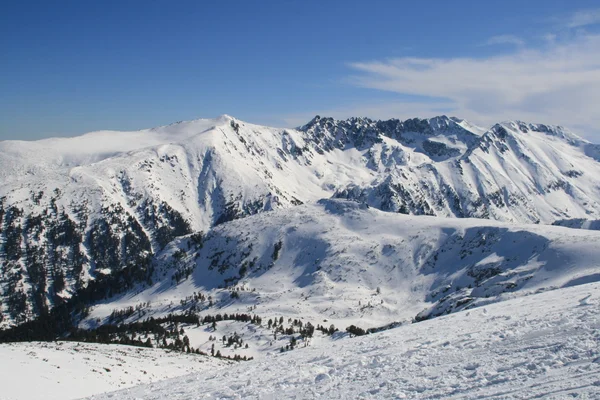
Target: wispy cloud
[(558, 84), (583, 18), (505, 39)]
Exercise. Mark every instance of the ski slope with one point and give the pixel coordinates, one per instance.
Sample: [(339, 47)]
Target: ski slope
[(540, 346), (69, 370)]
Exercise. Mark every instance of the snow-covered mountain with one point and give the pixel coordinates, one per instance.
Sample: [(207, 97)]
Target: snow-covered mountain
[(513, 172), (99, 207), (349, 264)]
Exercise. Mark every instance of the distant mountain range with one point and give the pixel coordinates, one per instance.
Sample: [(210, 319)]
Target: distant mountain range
[(89, 217)]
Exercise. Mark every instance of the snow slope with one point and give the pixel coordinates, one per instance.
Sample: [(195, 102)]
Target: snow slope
[(539, 346), (514, 172), (579, 223), (342, 263), (69, 370)]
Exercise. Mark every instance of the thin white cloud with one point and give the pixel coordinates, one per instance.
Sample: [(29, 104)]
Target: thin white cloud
[(550, 38), (559, 84), (583, 18), (505, 39)]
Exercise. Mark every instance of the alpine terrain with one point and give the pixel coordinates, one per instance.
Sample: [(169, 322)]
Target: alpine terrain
[(226, 240)]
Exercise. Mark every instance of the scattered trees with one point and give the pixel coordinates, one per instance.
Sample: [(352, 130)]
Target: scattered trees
[(355, 330)]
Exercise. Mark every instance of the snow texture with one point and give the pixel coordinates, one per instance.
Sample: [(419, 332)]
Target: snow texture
[(69, 370), (343, 263), (539, 346), (294, 222)]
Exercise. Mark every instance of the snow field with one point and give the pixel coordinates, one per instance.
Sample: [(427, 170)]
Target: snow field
[(539, 346), (69, 370)]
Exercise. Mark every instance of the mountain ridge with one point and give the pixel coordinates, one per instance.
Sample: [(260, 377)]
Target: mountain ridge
[(92, 213)]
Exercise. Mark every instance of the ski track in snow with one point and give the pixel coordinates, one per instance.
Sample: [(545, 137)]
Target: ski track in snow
[(539, 346)]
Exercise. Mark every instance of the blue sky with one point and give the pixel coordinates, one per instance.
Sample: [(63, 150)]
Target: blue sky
[(71, 67)]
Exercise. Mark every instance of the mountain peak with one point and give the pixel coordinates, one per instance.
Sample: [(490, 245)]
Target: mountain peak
[(519, 127), (317, 120), (224, 118)]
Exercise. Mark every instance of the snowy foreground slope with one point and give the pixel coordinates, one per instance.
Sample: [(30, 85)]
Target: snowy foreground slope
[(540, 346), (69, 370)]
